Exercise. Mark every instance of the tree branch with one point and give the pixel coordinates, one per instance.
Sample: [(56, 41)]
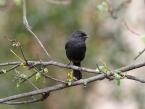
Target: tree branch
[(80, 82), (52, 88), (28, 27), (135, 78), (61, 65)]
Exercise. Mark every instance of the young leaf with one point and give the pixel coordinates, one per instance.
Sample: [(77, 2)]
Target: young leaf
[(4, 70), (18, 85), (103, 7), (70, 78), (38, 76), (45, 70), (117, 78), (23, 76)]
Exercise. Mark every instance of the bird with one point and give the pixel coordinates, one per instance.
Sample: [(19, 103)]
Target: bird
[(75, 49)]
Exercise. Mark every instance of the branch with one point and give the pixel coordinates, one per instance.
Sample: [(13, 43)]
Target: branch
[(139, 54), (12, 68), (43, 97), (24, 102), (66, 66), (53, 63), (80, 82), (135, 78), (52, 88), (28, 27), (61, 65)]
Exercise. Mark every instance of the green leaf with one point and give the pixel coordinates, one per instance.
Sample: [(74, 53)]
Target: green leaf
[(23, 65), (45, 70), (23, 76), (38, 76), (18, 85), (117, 78), (15, 44), (100, 68), (102, 10), (69, 83), (103, 7), (103, 69), (70, 78), (4, 70)]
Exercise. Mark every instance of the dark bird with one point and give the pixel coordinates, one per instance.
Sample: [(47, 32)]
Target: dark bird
[(75, 49)]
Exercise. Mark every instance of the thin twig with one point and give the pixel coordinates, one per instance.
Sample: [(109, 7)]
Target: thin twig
[(34, 86), (10, 63), (12, 68), (23, 53), (114, 11), (130, 30), (28, 27), (135, 78), (23, 102), (140, 53), (53, 63), (84, 69), (136, 34), (28, 77), (52, 88), (54, 79), (29, 81)]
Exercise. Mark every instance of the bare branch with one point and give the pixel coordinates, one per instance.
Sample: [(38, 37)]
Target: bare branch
[(140, 53), (80, 82), (53, 63), (114, 11), (28, 77), (52, 88), (130, 29), (12, 68), (23, 102), (61, 65), (10, 63), (25, 22), (135, 78)]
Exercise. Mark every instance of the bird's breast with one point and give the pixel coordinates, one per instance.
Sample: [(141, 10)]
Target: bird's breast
[(75, 50)]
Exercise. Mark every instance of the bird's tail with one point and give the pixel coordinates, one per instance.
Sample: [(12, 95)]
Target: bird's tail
[(77, 73)]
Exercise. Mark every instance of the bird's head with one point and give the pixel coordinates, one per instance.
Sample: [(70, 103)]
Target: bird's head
[(79, 34)]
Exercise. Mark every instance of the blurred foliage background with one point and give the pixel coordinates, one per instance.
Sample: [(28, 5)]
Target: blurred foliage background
[(109, 42)]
